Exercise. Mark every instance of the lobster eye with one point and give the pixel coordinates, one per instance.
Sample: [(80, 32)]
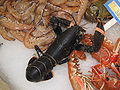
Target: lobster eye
[(33, 75)]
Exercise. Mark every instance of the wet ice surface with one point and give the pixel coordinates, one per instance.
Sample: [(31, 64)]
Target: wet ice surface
[(14, 58), (13, 62)]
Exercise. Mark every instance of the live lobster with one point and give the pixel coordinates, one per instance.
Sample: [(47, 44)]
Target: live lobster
[(39, 69), (100, 78)]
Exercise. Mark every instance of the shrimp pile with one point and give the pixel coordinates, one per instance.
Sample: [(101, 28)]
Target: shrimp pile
[(28, 20), (20, 19), (72, 6)]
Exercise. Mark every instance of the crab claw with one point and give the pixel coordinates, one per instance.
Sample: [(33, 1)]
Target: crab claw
[(78, 80), (80, 54)]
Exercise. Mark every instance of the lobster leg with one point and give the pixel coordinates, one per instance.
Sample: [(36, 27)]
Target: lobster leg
[(64, 61), (97, 40)]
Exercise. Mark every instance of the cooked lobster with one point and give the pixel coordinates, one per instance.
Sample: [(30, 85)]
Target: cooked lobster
[(101, 79)]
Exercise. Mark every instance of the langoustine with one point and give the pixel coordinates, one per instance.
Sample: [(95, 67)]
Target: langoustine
[(14, 25), (4, 34)]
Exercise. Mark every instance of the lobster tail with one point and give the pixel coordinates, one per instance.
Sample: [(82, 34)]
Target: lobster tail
[(38, 70), (33, 74)]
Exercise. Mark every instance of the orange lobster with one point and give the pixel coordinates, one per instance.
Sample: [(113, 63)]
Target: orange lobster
[(108, 56), (108, 81)]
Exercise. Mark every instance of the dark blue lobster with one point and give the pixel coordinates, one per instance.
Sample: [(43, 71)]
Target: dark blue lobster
[(39, 69)]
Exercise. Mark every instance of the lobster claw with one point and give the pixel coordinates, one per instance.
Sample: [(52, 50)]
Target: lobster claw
[(33, 74), (98, 37), (96, 41), (100, 28), (78, 82), (57, 23), (100, 25)]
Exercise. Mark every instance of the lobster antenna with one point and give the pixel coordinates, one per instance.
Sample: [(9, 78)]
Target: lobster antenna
[(41, 15), (38, 50)]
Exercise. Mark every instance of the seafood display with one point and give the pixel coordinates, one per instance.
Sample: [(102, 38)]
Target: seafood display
[(39, 69), (52, 28)]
